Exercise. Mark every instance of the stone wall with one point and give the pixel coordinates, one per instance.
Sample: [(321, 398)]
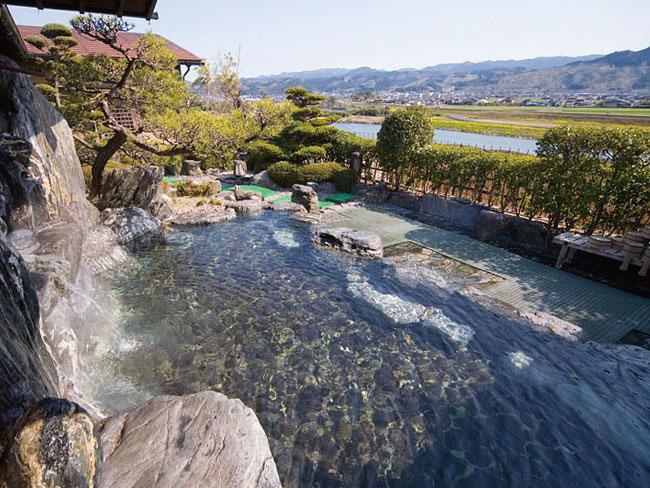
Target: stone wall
[(483, 224)]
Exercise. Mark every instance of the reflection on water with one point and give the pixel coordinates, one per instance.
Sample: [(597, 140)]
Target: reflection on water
[(365, 377)]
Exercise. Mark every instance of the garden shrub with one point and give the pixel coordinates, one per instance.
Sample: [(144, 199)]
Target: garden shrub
[(189, 189), (284, 173), (335, 173), (309, 154), (262, 154)]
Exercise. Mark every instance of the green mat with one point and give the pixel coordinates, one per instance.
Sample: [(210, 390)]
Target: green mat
[(173, 180), (341, 198), (265, 192), (335, 199), (282, 199)]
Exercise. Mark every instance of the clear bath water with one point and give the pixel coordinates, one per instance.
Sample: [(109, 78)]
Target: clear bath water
[(362, 375)]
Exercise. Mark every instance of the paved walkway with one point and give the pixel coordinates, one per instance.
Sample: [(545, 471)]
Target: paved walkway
[(605, 313)]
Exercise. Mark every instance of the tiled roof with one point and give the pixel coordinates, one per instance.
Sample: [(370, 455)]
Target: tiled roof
[(127, 8), (87, 46)]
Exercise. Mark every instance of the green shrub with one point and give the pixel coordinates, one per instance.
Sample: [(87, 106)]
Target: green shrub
[(403, 134), (309, 154), (262, 154), (189, 189), (284, 173)]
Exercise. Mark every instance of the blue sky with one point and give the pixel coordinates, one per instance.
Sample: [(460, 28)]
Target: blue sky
[(290, 35)]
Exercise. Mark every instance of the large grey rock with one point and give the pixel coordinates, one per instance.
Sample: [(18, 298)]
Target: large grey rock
[(245, 207), (129, 224), (192, 168), (204, 216), (263, 179), (305, 196), (247, 194), (52, 445), (348, 240), (201, 440), (240, 168), (131, 187), (28, 373), (287, 207)]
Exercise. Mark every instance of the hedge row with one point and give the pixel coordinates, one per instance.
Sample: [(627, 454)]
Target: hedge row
[(586, 178)]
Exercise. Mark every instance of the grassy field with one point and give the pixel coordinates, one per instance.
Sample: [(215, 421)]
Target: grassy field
[(515, 121), (494, 129)]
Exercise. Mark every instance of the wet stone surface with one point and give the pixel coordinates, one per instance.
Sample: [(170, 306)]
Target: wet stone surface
[(365, 376)]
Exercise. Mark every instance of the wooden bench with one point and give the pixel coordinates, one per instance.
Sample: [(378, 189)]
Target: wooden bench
[(571, 243)]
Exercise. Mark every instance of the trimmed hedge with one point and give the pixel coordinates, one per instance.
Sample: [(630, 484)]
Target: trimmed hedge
[(286, 174), (586, 178)]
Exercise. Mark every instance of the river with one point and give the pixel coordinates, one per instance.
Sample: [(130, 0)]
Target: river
[(444, 136)]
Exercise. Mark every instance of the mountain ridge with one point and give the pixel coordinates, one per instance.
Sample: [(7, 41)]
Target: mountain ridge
[(622, 71)]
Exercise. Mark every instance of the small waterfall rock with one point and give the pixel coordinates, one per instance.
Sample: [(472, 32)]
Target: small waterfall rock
[(205, 439)]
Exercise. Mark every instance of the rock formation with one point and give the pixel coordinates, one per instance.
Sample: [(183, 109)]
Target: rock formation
[(305, 196), (240, 168), (353, 241), (204, 216), (131, 187), (53, 445), (28, 373), (263, 179)]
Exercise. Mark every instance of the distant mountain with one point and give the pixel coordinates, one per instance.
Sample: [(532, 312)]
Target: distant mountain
[(625, 71), (619, 72)]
